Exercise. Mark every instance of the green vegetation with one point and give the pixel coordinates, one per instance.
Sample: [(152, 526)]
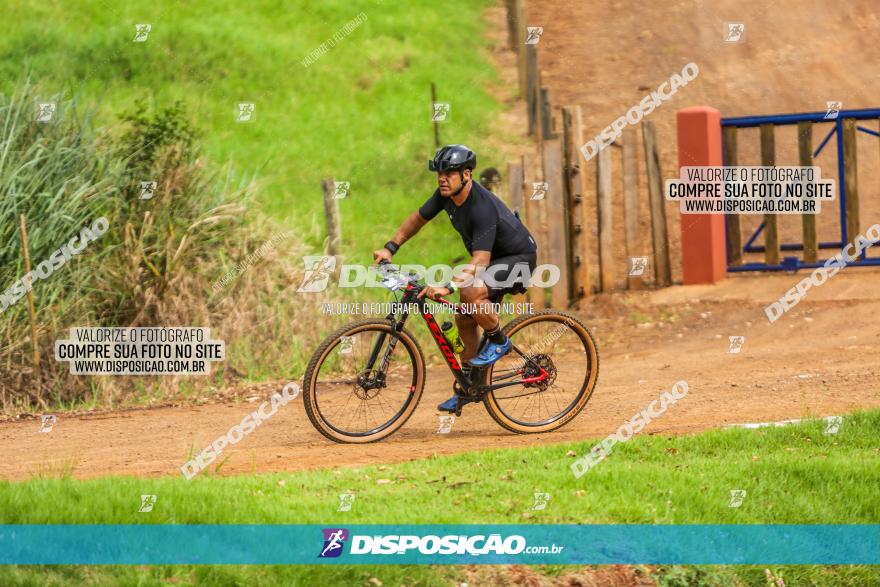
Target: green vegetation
[(153, 110), (792, 475), (154, 262), (360, 113)]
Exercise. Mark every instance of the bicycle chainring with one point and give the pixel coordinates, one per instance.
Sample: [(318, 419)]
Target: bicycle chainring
[(477, 389)]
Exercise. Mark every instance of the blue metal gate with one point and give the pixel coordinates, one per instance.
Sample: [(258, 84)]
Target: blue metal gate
[(794, 263)]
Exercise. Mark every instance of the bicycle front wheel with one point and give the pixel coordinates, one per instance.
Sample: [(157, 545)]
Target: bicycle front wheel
[(364, 382), (564, 348)]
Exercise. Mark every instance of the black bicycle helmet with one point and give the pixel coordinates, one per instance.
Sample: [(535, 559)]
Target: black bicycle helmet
[(453, 158)]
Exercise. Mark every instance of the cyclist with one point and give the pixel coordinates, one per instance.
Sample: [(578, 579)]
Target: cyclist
[(503, 254)]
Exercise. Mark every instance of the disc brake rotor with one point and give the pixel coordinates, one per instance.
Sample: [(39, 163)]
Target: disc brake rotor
[(369, 384), (533, 369)]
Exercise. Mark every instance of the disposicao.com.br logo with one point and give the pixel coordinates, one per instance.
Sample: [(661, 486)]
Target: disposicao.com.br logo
[(319, 269), (335, 538), (334, 541)]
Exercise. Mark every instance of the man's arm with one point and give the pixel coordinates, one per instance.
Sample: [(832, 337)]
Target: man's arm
[(407, 230)]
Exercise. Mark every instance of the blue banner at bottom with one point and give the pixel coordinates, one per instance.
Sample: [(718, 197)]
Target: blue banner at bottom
[(440, 544)]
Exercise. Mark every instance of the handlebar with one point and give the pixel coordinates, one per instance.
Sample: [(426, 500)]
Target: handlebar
[(406, 280)]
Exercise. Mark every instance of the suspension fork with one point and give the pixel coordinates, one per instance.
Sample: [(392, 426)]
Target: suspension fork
[(396, 326)]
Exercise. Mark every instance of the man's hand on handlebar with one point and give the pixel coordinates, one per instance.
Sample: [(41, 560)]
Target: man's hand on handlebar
[(434, 292), (382, 254)]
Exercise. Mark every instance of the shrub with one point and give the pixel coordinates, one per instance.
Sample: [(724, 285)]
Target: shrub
[(155, 264)]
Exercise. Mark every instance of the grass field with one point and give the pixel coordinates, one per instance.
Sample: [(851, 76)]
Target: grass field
[(360, 113), (792, 475)]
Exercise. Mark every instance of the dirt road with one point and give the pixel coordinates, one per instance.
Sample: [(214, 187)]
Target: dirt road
[(819, 359)]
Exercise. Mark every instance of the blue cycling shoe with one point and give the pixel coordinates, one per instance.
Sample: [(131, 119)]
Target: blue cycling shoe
[(449, 405), (491, 352)]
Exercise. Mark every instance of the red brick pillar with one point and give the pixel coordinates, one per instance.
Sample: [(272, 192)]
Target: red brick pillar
[(703, 251)]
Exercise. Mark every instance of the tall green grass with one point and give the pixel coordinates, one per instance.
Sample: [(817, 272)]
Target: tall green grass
[(361, 113), (155, 264), (54, 175)]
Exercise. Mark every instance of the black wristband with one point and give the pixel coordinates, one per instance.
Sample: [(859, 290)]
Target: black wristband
[(392, 246)]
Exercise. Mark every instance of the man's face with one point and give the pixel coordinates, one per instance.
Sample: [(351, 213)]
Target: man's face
[(450, 181)]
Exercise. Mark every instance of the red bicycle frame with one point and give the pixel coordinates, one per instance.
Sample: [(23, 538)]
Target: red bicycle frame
[(410, 297)]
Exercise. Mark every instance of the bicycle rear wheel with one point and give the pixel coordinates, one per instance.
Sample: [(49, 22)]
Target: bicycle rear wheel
[(561, 345), (350, 396)]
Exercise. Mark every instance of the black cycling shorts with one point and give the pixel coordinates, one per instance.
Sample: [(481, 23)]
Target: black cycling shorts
[(509, 275)]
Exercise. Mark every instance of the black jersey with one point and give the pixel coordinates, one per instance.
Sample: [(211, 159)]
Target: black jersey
[(484, 223)]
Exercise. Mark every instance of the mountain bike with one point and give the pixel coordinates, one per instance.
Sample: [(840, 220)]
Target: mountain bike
[(365, 379)]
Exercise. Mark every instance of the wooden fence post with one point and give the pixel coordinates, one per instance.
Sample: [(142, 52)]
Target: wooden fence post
[(331, 217), (851, 177), (771, 232), (631, 204), (515, 181), (604, 208), (732, 221), (557, 220), (511, 26), (534, 223), (659, 235), (517, 20), (436, 124), (808, 221), (547, 130), (575, 178), (532, 87), (35, 341)]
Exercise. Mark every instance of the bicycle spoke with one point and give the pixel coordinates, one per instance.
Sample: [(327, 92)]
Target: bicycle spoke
[(543, 346), (357, 401)]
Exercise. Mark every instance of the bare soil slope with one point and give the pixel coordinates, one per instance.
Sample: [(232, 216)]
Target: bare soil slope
[(794, 57)]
